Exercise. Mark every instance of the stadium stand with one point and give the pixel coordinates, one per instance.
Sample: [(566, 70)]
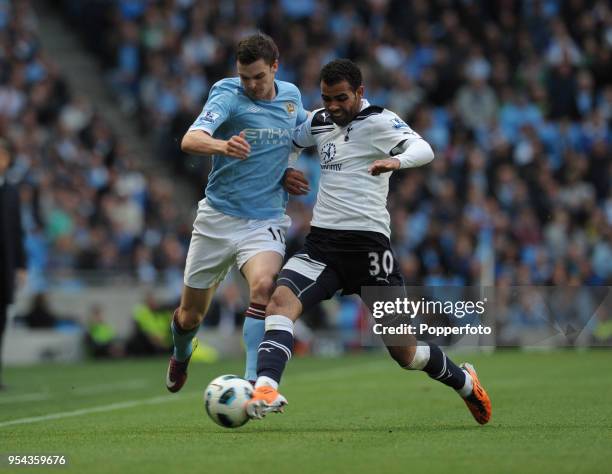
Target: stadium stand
[(515, 98), (518, 111), (89, 207)]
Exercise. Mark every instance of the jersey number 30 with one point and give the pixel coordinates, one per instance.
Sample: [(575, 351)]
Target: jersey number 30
[(387, 262)]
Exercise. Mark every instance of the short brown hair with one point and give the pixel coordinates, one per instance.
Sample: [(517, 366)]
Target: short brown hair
[(257, 46)]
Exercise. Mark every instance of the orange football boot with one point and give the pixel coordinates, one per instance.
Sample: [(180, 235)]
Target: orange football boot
[(265, 400), (478, 401)]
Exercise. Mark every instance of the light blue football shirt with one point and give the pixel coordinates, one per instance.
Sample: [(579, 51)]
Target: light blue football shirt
[(250, 188)]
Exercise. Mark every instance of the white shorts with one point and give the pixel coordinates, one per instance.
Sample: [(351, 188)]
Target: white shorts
[(218, 241)]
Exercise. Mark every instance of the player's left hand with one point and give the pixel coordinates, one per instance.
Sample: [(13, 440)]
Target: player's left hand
[(384, 166), (295, 182)]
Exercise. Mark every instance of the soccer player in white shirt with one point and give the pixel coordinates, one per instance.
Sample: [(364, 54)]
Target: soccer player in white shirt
[(348, 246)]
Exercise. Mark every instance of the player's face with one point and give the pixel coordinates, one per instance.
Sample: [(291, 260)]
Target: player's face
[(341, 101), (258, 79)]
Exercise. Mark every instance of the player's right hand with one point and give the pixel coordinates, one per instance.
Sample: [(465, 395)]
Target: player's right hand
[(384, 166), (238, 147), (295, 182)]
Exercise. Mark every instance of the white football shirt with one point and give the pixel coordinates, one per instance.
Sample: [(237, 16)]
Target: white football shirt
[(350, 198)]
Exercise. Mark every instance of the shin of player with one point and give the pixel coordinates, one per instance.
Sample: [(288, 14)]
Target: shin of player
[(276, 347), (274, 352)]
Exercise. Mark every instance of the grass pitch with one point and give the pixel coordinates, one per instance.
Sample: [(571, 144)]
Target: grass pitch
[(552, 412)]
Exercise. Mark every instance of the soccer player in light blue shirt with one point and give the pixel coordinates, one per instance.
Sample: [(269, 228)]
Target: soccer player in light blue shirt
[(246, 125)]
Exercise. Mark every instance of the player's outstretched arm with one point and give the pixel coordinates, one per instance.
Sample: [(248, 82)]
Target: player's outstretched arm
[(417, 153), (198, 142)]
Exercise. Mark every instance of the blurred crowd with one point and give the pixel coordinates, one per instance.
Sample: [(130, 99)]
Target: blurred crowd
[(88, 206), (514, 97)]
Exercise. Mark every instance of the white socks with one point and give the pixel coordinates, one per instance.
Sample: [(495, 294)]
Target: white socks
[(264, 381), (467, 388)]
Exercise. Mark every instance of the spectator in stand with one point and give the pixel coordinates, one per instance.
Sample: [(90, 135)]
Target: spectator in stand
[(151, 334), (101, 338)]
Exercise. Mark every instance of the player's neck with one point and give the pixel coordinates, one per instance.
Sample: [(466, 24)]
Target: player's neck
[(272, 95), (362, 105)]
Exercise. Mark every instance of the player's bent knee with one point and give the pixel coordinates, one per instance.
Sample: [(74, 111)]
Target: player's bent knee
[(189, 317), (262, 288)]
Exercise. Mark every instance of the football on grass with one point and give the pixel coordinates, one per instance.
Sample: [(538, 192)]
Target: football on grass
[(225, 399)]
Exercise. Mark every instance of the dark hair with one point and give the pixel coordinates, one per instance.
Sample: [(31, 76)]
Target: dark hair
[(257, 46), (340, 70)]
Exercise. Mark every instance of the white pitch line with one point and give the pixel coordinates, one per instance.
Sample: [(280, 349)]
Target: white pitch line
[(81, 391), (87, 411), (335, 372), (25, 397)]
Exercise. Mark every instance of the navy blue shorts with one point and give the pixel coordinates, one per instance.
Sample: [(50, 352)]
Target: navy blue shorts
[(334, 260)]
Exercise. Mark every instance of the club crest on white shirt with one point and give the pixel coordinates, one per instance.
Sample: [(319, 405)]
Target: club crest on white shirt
[(328, 152)]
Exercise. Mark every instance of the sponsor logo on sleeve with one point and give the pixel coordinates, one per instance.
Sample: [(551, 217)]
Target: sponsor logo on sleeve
[(398, 123), (207, 117)]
